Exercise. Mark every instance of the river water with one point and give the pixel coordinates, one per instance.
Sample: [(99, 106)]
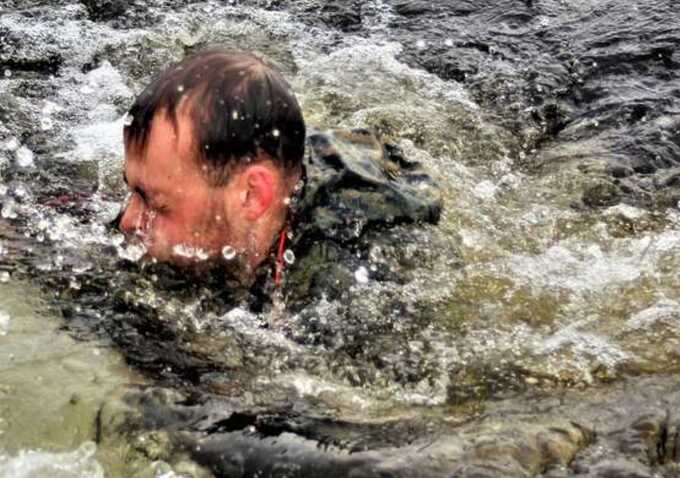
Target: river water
[(545, 304)]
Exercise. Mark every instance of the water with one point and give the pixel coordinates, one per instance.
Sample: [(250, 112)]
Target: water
[(552, 128), (52, 388)]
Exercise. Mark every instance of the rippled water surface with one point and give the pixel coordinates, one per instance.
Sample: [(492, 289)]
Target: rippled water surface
[(553, 130)]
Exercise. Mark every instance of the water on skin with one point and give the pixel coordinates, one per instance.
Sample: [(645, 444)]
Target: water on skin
[(529, 288)]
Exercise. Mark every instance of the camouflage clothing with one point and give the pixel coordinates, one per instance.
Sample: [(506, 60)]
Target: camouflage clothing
[(354, 184)]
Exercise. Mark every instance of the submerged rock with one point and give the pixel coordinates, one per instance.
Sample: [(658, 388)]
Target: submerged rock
[(345, 16), (625, 430), (292, 444)]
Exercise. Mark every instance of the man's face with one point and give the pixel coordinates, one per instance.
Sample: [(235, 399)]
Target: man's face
[(172, 209)]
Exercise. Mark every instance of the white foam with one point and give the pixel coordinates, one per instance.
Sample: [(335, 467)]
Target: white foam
[(4, 322), (581, 267), (24, 157), (79, 463), (190, 252), (361, 55), (666, 311), (485, 190), (583, 344)]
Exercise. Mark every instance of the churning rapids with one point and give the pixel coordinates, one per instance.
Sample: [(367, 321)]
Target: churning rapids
[(538, 333)]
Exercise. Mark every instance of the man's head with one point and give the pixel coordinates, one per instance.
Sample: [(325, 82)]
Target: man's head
[(212, 152)]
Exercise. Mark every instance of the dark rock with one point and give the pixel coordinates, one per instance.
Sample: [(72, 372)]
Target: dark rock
[(18, 55), (409, 8), (602, 194), (621, 468), (342, 16), (452, 65), (104, 10), (161, 423), (48, 65)]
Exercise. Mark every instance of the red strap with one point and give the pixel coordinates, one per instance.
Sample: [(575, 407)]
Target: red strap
[(279, 257)]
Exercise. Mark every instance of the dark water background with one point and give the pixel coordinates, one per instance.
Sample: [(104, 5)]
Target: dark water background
[(538, 335)]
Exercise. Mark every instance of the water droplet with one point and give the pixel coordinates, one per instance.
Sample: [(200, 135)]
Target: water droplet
[(3, 190), (20, 191), (228, 252), (24, 157), (286, 201), (448, 42), (289, 257), (4, 276), (128, 119), (74, 284), (8, 73), (133, 252), (11, 144), (234, 115), (3, 249), (191, 252), (421, 44), (276, 133), (361, 275), (4, 323), (180, 88), (46, 123), (8, 210), (83, 267)]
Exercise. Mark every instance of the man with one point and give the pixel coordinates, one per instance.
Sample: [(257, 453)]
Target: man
[(213, 151), (214, 163), (220, 172)]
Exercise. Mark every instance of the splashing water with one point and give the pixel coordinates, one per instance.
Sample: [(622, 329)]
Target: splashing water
[(190, 252), (24, 157), (79, 463), (228, 252), (520, 274), (4, 322)]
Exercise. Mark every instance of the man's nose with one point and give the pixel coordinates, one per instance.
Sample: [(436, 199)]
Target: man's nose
[(128, 221)]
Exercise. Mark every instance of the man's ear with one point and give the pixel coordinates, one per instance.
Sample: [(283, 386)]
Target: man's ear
[(259, 183)]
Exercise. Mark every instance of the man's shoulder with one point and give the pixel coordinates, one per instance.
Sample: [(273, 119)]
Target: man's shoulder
[(354, 180), (360, 191)]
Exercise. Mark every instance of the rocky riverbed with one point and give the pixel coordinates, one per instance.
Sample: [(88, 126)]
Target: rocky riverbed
[(535, 332)]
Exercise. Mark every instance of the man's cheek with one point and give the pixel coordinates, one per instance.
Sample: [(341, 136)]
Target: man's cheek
[(159, 244)]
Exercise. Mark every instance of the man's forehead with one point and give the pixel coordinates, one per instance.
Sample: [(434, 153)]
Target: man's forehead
[(170, 147), (172, 133)]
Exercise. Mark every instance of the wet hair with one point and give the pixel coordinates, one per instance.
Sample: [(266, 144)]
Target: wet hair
[(238, 107)]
